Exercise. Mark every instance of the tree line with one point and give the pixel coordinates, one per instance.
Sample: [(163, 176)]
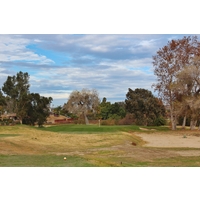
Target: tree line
[(140, 107)]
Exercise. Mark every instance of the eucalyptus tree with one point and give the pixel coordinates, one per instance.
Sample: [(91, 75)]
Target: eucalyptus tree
[(17, 89), (167, 62), (188, 87), (2, 102), (29, 107)]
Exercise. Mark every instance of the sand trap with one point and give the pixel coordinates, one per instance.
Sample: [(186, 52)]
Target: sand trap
[(162, 140)]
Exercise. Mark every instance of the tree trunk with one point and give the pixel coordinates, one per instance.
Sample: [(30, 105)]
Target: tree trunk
[(184, 122), (173, 118), (193, 124), (86, 119), (145, 119)]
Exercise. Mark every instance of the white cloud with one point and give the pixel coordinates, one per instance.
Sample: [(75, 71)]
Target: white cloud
[(131, 63), (14, 49)]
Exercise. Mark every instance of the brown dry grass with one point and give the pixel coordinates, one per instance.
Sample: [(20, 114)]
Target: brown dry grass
[(100, 148), (36, 141)]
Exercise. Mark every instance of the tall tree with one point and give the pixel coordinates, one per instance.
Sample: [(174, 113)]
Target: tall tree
[(81, 102), (168, 61), (144, 106), (2, 102), (29, 107), (17, 89), (187, 86)]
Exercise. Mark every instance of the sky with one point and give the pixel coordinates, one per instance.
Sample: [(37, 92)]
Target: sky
[(61, 63)]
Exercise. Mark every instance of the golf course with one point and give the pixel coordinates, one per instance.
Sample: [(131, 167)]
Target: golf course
[(75, 145)]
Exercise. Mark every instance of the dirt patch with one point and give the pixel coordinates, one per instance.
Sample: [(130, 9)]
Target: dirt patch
[(146, 129), (169, 140), (176, 140)]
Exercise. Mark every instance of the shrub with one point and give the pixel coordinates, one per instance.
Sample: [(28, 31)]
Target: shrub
[(159, 121)]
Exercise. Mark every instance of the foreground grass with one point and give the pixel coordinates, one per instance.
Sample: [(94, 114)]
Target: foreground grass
[(85, 146), (42, 161), (76, 161)]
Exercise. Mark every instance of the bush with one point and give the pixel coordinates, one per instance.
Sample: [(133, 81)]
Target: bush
[(159, 121)]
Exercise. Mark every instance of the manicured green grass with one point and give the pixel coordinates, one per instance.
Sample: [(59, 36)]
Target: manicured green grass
[(96, 129), (43, 161)]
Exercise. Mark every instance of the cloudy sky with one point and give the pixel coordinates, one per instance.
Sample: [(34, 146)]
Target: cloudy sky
[(60, 63)]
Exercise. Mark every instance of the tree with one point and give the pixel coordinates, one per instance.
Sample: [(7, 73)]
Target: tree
[(17, 89), (81, 102), (104, 109), (168, 61), (187, 86), (112, 111), (144, 106), (37, 109), (2, 102), (29, 107)]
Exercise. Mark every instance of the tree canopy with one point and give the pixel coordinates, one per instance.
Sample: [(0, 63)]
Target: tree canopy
[(146, 108), (81, 102), (29, 107)]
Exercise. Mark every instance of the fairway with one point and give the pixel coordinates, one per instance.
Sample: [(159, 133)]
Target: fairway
[(94, 146)]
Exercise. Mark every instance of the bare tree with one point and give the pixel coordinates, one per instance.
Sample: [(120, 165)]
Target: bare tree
[(80, 102)]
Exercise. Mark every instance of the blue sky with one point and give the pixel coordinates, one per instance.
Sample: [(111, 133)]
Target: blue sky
[(60, 63)]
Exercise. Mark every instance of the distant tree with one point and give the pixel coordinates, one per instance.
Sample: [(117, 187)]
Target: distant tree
[(37, 109), (112, 110), (167, 62), (117, 110), (29, 107), (105, 108), (57, 110), (2, 102), (81, 102), (144, 106), (17, 89)]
